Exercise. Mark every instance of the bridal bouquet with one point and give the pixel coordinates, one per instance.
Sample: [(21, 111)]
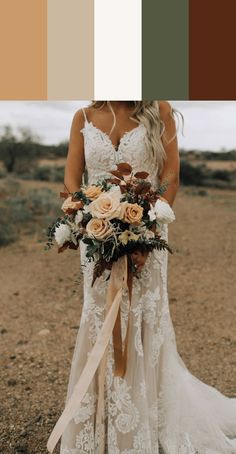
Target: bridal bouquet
[(115, 216)]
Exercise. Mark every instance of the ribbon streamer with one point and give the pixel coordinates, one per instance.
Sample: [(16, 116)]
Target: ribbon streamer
[(118, 281), (120, 360)]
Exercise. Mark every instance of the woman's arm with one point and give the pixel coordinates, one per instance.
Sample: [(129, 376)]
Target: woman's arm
[(171, 167), (75, 162)]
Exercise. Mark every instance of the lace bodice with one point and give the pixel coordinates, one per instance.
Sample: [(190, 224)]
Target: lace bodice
[(101, 155)]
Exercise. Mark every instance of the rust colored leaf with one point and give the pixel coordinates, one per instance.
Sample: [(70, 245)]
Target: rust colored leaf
[(117, 174), (64, 195), (70, 210), (124, 167), (72, 245), (114, 180), (142, 175), (142, 188), (64, 247), (122, 189)]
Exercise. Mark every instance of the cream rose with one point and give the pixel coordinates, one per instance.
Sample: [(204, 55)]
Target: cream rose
[(68, 204), (107, 205), (93, 192), (99, 228), (133, 213), (126, 236)]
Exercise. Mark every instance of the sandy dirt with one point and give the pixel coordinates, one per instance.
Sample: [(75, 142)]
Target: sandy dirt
[(41, 301)]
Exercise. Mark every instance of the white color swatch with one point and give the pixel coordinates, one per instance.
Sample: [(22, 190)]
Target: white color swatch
[(118, 50)]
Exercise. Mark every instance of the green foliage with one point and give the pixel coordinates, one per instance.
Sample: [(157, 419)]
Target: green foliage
[(7, 234), (221, 174), (191, 175), (2, 173), (201, 175), (49, 173), (20, 210)]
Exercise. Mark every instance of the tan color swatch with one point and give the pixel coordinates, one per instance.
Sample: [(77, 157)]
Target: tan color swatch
[(23, 49), (70, 49)]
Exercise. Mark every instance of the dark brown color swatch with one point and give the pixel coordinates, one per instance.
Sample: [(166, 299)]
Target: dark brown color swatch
[(212, 69)]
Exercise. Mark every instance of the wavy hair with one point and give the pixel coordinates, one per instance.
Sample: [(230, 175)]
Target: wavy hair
[(148, 113)]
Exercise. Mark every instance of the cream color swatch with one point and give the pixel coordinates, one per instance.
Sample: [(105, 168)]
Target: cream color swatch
[(70, 49)]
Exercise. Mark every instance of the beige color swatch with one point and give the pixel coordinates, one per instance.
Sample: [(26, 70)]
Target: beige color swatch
[(70, 49), (23, 49)]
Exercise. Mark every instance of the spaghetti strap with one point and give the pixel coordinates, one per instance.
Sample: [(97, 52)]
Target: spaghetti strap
[(85, 117)]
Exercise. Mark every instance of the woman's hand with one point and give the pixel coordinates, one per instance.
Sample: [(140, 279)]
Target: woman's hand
[(138, 258)]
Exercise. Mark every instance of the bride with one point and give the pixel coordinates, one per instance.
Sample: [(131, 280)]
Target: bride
[(157, 406)]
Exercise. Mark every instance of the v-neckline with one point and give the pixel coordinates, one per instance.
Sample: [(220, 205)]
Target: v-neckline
[(106, 135)]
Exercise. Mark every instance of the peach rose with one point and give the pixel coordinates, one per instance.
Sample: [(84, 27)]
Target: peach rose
[(107, 205), (68, 205), (133, 213), (99, 228), (93, 192)]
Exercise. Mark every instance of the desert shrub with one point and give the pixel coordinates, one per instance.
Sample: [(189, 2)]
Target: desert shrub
[(202, 192), (221, 174), (18, 210), (43, 201), (26, 212), (18, 154), (7, 234), (49, 173), (191, 175), (2, 173), (201, 175), (218, 184)]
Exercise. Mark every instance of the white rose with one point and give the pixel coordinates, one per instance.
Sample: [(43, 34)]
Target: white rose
[(164, 212), (78, 217), (107, 205), (62, 234), (152, 213)]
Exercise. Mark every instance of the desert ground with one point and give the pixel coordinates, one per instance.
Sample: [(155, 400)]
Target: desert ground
[(41, 303)]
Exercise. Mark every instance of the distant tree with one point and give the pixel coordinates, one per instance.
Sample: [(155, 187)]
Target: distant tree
[(27, 135), (19, 154)]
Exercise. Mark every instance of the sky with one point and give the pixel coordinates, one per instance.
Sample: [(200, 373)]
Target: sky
[(208, 125)]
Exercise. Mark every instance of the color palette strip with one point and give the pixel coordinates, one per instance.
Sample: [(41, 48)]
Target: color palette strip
[(117, 49)]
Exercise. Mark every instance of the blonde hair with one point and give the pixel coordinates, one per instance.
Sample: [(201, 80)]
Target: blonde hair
[(147, 112)]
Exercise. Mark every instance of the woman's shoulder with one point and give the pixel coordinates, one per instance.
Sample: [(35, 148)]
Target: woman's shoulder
[(83, 112), (80, 115), (165, 108)]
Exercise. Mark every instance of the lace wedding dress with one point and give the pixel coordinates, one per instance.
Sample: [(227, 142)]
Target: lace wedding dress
[(158, 406)]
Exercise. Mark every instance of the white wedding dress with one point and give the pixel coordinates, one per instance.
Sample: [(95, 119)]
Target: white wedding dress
[(158, 406)]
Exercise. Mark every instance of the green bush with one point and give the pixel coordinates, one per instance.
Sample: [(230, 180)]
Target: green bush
[(26, 212), (221, 174), (201, 175), (49, 173), (191, 175), (2, 173), (7, 233), (43, 201)]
